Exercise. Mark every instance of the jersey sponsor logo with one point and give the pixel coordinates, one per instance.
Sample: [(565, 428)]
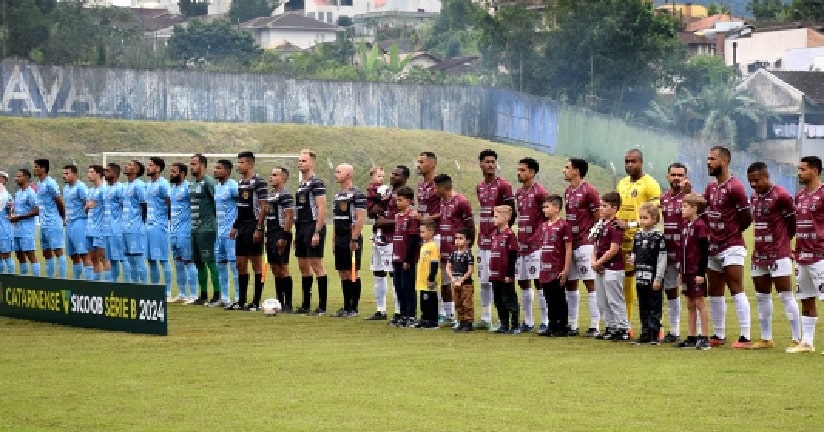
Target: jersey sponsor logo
[(634, 193)]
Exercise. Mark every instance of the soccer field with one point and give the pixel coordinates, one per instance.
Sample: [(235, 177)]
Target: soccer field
[(220, 370)]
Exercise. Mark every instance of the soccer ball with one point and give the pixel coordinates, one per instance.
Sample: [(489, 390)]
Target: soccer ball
[(384, 191), (270, 307)]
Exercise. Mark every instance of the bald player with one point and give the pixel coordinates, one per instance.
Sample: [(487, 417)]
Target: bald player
[(349, 215)]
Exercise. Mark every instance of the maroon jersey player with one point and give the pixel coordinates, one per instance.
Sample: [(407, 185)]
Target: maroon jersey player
[(673, 224), (530, 198)]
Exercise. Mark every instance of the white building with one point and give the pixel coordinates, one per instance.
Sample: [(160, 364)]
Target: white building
[(293, 27), (329, 10), (766, 49), (804, 59)]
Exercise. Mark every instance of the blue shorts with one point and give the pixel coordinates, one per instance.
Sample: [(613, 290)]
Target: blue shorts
[(76, 237), (135, 243), (225, 249), (182, 247), (23, 244), (51, 238), (157, 243), (5, 246), (114, 247), (95, 242)]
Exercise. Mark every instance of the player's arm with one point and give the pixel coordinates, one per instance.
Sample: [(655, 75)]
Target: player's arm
[(448, 268), (262, 194), (469, 221), (434, 266), (788, 209), (661, 263), (704, 255), (360, 219), (567, 260), (168, 201), (61, 207), (321, 201)]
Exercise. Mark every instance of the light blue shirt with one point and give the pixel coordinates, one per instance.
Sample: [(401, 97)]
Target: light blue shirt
[(113, 197), (25, 200), (226, 206), (181, 221), (134, 194), (6, 231), (96, 216), (157, 212), (47, 193), (75, 200)]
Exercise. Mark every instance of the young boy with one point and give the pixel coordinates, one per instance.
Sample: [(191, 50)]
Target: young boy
[(608, 264), (695, 237), (405, 247), (503, 254), (428, 280), (555, 241), (649, 256), (460, 266)]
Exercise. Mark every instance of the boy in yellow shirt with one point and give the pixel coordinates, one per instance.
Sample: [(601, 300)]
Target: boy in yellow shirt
[(428, 279)]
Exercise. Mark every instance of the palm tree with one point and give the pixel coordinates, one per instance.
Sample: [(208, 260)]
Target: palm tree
[(720, 110)]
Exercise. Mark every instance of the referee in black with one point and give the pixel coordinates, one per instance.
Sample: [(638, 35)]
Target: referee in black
[(248, 229), (310, 232), (280, 214), (349, 214)]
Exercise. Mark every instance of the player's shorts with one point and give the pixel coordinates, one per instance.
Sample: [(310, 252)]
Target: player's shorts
[(733, 255), (51, 238), (114, 247), (582, 264), (5, 246), (182, 246), (483, 265), (23, 244), (95, 242), (225, 249), (343, 253), (527, 267), (670, 277), (157, 243), (381, 258), (203, 246), (135, 243), (690, 289), (303, 241), (809, 280), (272, 254), (245, 245), (780, 268), (76, 237)]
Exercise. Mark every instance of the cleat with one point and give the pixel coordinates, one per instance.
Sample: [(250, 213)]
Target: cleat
[(318, 312), (286, 310), (742, 343), (234, 307), (502, 330), (571, 332), (515, 331), (591, 332), (717, 341), (189, 301), (655, 342), (251, 307), (642, 340), (200, 301), (175, 299), (606, 335), (301, 311), (341, 313), (447, 322), (621, 336), (525, 328), (464, 328), (379, 316), (441, 319), (703, 344), (802, 347), (482, 325), (352, 314), (762, 344), (689, 342), (670, 338), (793, 343), (214, 303), (545, 333), (542, 327)]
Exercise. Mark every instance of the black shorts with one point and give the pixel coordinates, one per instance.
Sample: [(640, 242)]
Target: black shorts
[(303, 241), (343, 253), (272, 254), (245, 245)]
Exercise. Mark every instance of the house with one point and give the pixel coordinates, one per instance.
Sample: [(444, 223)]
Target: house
[(698, 44), (715, 23), (292, 27), (330, 10), (752, 49), (804, 59), (796, 101), (414, 60), (158, 24), (456, 65), (686, 12)]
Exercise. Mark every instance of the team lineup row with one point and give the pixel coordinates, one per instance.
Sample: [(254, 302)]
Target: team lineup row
[(215, 226)]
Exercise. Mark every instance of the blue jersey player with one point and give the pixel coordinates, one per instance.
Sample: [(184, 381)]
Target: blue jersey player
[(74, 198), (134, 229), (6, 231), (157, 223), (23, 213), (52, 219), (95, 218), (180, 233), (113, 197), (226, 193)]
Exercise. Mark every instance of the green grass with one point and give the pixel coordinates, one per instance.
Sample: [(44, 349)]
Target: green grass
[(222, 370)]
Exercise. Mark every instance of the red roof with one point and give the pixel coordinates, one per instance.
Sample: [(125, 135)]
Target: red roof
[(709, 22)]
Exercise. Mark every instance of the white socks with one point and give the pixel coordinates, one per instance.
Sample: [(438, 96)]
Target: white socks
[(808, 329), (718, 312), (486, 302), (742, 309), (793, 316), (527, 295), (765, 310), (544, 310), (674, 309), (573, 301), (594, 312), (380, 293)]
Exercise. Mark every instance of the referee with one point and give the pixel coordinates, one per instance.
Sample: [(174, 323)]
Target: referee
[(248, 228), (310, 232), (349, 215), (280, 214)]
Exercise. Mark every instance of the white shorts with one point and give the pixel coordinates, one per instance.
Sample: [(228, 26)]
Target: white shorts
[(483, 265), (733, 255), (581, 264), (780, 268), (381, 258), (670, 277), (527, 267), (809, 280)]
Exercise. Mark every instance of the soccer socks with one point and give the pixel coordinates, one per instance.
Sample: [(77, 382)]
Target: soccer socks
[(808, 329), (279, 291), (215, 279), (49, 267), (306, 287), (127, 272), (193, 277), (167, 277), (594, 311), (718, 312), (24, 268), (573, 302), (544, 309), (791, 309), (242, 288), (674, 309), (258, 288), (62, 266), (181, 279), (380, 293), (2, 266), (35, 269), (223, 274), (89, 273), (77, 271), (527, 296), (114, 273), (486, 302), (346, 288), (742, 309), (356, 293), (233, 273), (142, 269), (765, 310), (154, 271), (203, 279), (287, 291), (10, 265), (322, 291)]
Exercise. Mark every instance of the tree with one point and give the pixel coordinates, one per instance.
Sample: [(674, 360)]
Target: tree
[(192, 8), (244, 10), (212, 43), (715, 9), (513, 38), (26, 26), (456, 29), (766, 9)]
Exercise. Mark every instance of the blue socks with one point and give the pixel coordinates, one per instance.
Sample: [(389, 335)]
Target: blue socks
[(223, 271), (49, 267), (154, 272), (35, 269), (167, 277), (194, 283), (61, 266), (10, 265), (77, 271)]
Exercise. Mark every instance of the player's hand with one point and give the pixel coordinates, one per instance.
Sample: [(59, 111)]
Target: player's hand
[(315, 239), (508, 279), (353, 246), (232, 234), (699, 279), (563, 277), (430, 285), (414, 214), (621, 223), (257, 236), (686, 186), (656, 285), (631, 259), (281, 245), (406, 266)]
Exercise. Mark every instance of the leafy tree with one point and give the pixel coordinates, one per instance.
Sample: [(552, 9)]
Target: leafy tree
[(455, 31), (213, 43), (192, 8), (766, 9), (721, 109), (101, 36), (715, 9), (244, 10), (704, 70), (512, 38), (26, 26), (806, 10)]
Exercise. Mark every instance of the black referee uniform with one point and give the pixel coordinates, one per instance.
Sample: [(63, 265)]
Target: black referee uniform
[(276, 205), (250, 192), (344, 214), (306, 218)]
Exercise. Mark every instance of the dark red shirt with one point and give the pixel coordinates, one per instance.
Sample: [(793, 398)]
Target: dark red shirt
[(428, 202), (502, 243), (581, 204), (691, 232), (530, 216), (372, 196), (552, 239), (673, 224), (389, 213), (492, 194), (771, 237), (724, 201), (611, 233), (405, 226), (455, 213), (809, 231)]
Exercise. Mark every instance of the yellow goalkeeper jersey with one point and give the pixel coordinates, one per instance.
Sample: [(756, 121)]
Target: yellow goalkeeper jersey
[(633, 195)]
